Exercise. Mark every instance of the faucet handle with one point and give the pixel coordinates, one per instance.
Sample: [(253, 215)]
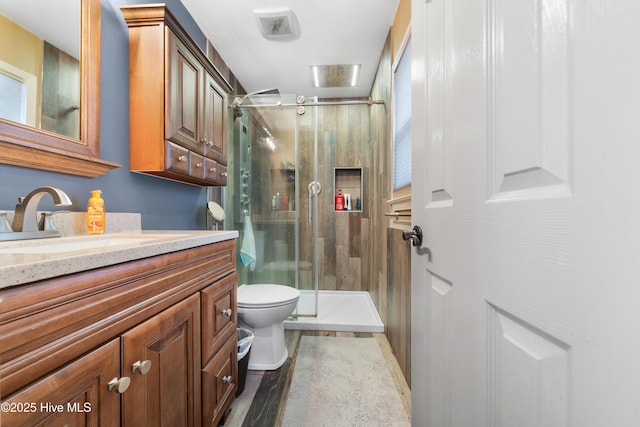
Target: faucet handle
[(46, 222)]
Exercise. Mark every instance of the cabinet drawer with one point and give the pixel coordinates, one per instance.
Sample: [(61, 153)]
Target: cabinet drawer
[(219, 383), (198, 164), (177, 159), (211, 170), (215, 172), (219, 317), (222, 175)]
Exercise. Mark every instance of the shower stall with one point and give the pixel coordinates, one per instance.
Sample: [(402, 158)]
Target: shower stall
[(287, 157)]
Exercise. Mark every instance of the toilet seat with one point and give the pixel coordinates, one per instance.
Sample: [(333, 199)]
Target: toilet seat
[(265, 296)]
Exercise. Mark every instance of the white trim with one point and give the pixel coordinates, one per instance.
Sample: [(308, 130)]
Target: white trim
[(403, 45)]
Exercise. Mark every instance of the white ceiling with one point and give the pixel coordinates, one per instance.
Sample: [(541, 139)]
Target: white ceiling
[(57, 22), (331, 32)]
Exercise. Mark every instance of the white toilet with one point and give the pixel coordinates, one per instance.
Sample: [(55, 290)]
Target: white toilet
[(263, 309)]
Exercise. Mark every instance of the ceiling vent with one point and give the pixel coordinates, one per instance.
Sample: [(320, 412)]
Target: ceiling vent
[(278, 24)]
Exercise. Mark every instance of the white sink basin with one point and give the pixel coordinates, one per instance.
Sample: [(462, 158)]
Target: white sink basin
[(88, 243)]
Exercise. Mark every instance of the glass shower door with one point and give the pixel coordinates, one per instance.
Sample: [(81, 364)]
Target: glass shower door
[(310, 188), (271, 163)]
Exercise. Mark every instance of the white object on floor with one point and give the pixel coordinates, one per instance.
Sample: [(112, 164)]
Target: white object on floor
[(262, 308), (344, 311)]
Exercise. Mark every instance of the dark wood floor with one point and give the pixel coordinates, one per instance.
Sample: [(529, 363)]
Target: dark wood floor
[(264, 406)]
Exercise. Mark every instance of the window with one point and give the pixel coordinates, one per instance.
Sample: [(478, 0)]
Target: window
[(18, 95), (13, 99), (402, 120), (400, 203)]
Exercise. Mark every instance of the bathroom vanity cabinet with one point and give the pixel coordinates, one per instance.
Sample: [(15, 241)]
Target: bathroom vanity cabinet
[(146, 342), (177, 101)]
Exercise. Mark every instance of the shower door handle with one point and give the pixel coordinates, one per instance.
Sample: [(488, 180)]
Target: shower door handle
[(314, 189)]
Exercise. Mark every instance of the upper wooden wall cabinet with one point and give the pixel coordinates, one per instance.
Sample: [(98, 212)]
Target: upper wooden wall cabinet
[(177, 102)]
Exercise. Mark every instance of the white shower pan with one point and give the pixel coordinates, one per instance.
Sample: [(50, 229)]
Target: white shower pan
[(342, 311)]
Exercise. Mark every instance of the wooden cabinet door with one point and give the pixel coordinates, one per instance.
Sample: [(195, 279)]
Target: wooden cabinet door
[(168, 394), (184, 84), (220, 382), (75, 395), (215, 121)]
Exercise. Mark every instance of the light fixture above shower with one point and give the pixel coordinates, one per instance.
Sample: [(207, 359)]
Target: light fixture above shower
[(278, 24), (341, 75)]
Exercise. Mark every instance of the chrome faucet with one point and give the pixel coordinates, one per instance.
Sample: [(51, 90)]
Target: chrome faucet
[(25, 217)]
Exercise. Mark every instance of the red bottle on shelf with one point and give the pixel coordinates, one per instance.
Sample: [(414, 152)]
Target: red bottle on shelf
[(339, 200)]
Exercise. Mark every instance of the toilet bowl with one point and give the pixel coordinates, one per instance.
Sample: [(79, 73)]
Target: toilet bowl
[(263, 309)]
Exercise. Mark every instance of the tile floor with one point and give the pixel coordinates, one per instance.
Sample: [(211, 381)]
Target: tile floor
[(262, 401)]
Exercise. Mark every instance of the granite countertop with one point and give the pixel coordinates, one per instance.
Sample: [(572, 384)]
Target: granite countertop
[(27, 261)]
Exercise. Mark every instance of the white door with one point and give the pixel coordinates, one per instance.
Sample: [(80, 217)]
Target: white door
[(526, 183)]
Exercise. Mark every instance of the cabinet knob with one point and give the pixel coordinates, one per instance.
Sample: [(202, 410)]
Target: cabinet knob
[(227, 379), (227, 312), (224, 174), (182, 158), (119, 384), (213, 170), (142, 367), (198, 165), (210, 143)]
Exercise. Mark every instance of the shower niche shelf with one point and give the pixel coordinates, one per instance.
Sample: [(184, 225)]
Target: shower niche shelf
[(349, 180), (283, 189)]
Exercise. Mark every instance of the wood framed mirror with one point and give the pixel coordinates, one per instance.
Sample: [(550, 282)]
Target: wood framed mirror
[(78, 153)]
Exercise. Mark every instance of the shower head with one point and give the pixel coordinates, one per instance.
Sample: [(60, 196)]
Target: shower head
[(239, 100)]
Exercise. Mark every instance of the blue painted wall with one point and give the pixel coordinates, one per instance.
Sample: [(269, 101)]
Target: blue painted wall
[(163, 204)]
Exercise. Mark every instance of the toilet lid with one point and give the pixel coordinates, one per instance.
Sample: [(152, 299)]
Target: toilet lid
[(266, 295)]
